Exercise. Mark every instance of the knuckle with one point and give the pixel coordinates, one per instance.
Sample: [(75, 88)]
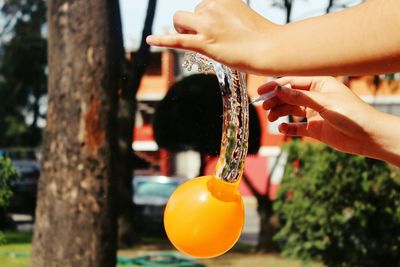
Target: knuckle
[(179, 42), (212, 5), (177, 16), (207, 26), (203, 5), (289, 109), (294, 94), (291, 130), (270, 104)]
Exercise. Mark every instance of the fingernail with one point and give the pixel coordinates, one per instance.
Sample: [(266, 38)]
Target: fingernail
[(270, 118), (149, 39), (283, 127), (279, 87)]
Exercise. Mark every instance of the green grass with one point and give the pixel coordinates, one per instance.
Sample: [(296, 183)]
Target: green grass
[(15, 253), (16, 249)]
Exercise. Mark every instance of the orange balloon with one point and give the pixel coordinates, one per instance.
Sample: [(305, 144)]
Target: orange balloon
[(204, 217)]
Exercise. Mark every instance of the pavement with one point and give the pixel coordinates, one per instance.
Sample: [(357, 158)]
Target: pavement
[(251, 222)]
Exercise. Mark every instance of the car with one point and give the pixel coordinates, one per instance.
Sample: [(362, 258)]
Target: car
[(150, 196), (25, 188)]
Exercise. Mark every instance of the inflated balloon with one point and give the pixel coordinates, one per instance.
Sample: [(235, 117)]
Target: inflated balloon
[(204, 217)]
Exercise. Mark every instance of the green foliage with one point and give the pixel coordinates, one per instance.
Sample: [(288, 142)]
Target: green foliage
[(338, 208), (7, 174), (23, 77)]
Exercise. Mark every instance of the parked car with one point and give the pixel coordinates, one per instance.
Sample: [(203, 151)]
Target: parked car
[(25, 188), (150, 196)]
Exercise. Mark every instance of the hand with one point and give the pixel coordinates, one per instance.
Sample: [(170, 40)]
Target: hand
[(225, 30), (231, 33), (335, 116)]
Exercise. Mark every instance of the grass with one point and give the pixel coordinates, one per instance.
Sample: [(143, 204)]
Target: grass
[(15, 253)]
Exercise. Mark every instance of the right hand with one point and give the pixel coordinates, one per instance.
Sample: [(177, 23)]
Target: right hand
[(225, 30), (335, 115)]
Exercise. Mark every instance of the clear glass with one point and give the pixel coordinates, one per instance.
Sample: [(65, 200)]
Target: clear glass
[(235, 131)]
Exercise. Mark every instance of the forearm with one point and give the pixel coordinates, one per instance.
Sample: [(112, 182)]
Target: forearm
[(385, 131), (364, 39)]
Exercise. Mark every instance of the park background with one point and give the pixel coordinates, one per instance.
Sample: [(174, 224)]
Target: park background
[(99, 102)]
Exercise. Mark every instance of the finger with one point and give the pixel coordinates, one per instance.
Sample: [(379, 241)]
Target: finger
[(181, 41), (301, 83), (311, 99), (186, 22), (294, 129), (271, 103), (267, 87), (284, 110), (201, 6)]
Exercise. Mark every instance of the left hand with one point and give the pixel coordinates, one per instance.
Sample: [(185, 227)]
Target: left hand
[(335, 115)]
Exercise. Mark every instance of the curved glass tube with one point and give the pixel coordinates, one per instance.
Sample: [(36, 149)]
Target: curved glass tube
[(235, 131)]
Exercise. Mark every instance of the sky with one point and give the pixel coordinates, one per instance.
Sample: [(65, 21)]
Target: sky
[(134, 11)]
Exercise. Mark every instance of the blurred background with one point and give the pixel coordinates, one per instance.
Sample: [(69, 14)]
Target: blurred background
[(304, 202)]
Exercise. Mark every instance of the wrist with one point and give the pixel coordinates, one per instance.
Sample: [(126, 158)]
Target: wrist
[(268, 57), (385, 135)]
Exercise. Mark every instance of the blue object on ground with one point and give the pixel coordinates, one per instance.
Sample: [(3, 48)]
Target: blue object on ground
[(153, 260), (159, 260)]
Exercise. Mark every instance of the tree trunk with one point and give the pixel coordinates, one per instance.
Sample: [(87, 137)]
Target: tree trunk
[(134, 72), (267, 227), (75, 216), (329, 7), (288, 7), (34, 131), (127, 235), (264, 209), (125, 119)]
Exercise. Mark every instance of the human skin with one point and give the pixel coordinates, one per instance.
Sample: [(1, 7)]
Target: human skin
[(335, 116), (364, 39)]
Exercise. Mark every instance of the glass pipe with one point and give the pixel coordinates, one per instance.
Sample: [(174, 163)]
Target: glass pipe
[(204, 217)]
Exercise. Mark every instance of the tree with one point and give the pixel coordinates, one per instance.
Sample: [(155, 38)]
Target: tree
[(133, 73), (329, 6), (286, 5), (23, 71), (76, 216), (339, 208)]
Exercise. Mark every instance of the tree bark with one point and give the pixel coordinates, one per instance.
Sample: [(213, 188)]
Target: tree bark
[(264, 209), (329, 7), (75, 216), (288, 7), (134, 72)]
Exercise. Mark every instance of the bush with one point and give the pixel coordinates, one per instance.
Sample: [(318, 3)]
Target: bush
[(338, 208), (7, 175)]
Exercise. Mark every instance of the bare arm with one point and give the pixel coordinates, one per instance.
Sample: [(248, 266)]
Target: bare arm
[(364, 39)]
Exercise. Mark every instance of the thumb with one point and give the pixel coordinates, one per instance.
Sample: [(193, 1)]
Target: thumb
[(310, 99)]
